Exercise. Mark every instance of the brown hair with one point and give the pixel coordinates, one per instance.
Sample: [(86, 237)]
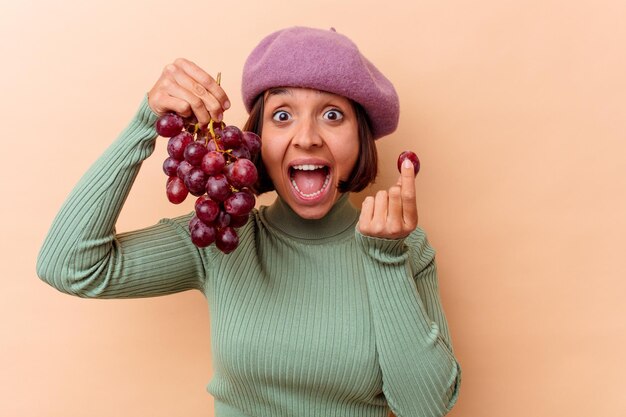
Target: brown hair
[(365, 169)]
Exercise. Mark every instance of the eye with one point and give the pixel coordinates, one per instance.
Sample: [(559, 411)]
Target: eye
[(281, 116), (333, 115)]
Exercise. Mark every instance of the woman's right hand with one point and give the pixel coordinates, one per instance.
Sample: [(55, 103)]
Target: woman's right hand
[(188, 90)]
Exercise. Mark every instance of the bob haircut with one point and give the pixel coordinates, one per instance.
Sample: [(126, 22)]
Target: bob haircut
[(365, 169)]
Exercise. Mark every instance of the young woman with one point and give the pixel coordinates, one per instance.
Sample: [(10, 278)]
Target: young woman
[(322, 310)]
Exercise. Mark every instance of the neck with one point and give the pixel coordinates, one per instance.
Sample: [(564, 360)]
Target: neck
[(341, 219)]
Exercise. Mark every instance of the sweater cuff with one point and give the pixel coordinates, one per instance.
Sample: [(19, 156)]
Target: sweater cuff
[(386, 251), (145, 118)]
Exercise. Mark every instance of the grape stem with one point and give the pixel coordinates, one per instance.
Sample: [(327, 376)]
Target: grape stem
[(218, 80)]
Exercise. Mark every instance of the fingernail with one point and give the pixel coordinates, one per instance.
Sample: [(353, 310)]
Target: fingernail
[(226, 105), (407, 164), (219, 117)]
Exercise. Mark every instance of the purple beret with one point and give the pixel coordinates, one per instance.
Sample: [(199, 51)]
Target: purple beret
[(323, 60)]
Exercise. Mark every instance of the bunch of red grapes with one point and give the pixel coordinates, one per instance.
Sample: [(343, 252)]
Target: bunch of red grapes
[(212, 163)]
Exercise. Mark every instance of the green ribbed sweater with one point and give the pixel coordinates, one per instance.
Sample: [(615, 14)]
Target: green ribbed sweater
[(309, 318)]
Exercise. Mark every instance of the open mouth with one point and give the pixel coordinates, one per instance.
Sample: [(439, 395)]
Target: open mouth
[(309, 180)]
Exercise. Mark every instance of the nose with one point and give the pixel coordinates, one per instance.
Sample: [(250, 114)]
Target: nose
[(307, 134)]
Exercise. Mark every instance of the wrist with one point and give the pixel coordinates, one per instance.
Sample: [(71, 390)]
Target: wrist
[(382, 249), (145, 116)]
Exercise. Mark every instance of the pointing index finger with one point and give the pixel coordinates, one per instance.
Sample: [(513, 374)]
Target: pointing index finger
[(407, 177), (409, 205)]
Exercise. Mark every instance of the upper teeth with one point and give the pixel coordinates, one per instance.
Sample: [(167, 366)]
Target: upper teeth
[(307, 167)]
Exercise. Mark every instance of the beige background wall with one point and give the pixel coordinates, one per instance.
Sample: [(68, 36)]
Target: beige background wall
[(516, 109)]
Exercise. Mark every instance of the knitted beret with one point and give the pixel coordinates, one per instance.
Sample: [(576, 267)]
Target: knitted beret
[(323, 60)]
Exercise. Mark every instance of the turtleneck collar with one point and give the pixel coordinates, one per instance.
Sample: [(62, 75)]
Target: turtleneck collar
[(341, 219)]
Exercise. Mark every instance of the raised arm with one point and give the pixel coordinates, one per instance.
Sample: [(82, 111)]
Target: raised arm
[(421, 376), (82, 254)]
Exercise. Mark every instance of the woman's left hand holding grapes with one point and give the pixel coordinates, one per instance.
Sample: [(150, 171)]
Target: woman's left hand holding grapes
[(391, 214)]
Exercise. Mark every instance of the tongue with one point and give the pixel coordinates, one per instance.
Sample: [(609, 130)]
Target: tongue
[(309, 182)]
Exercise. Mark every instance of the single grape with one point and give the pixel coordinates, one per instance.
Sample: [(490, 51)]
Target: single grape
[(239, 204), (228, 169), (218, 188), (218, 129), (176, 145), (238, 221), (207, 210), (222, 220), (170, 166), (242, 174), (176, 190), (231, 137), (194, 152), (214, 144), (193, 222), (195, 181), (252, 142), (200, 199), (411, 157), (169, 125), (241, 152), (183, 169), (202, 235), (227, 239), (213, 163)]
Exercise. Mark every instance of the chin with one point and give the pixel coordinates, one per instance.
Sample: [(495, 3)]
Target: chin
[(311, 210)]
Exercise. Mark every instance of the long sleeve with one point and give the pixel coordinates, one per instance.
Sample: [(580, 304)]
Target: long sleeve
[(82, 254), (421, 376)]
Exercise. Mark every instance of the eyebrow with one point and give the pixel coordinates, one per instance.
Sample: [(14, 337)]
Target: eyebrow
[(277, 91)]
